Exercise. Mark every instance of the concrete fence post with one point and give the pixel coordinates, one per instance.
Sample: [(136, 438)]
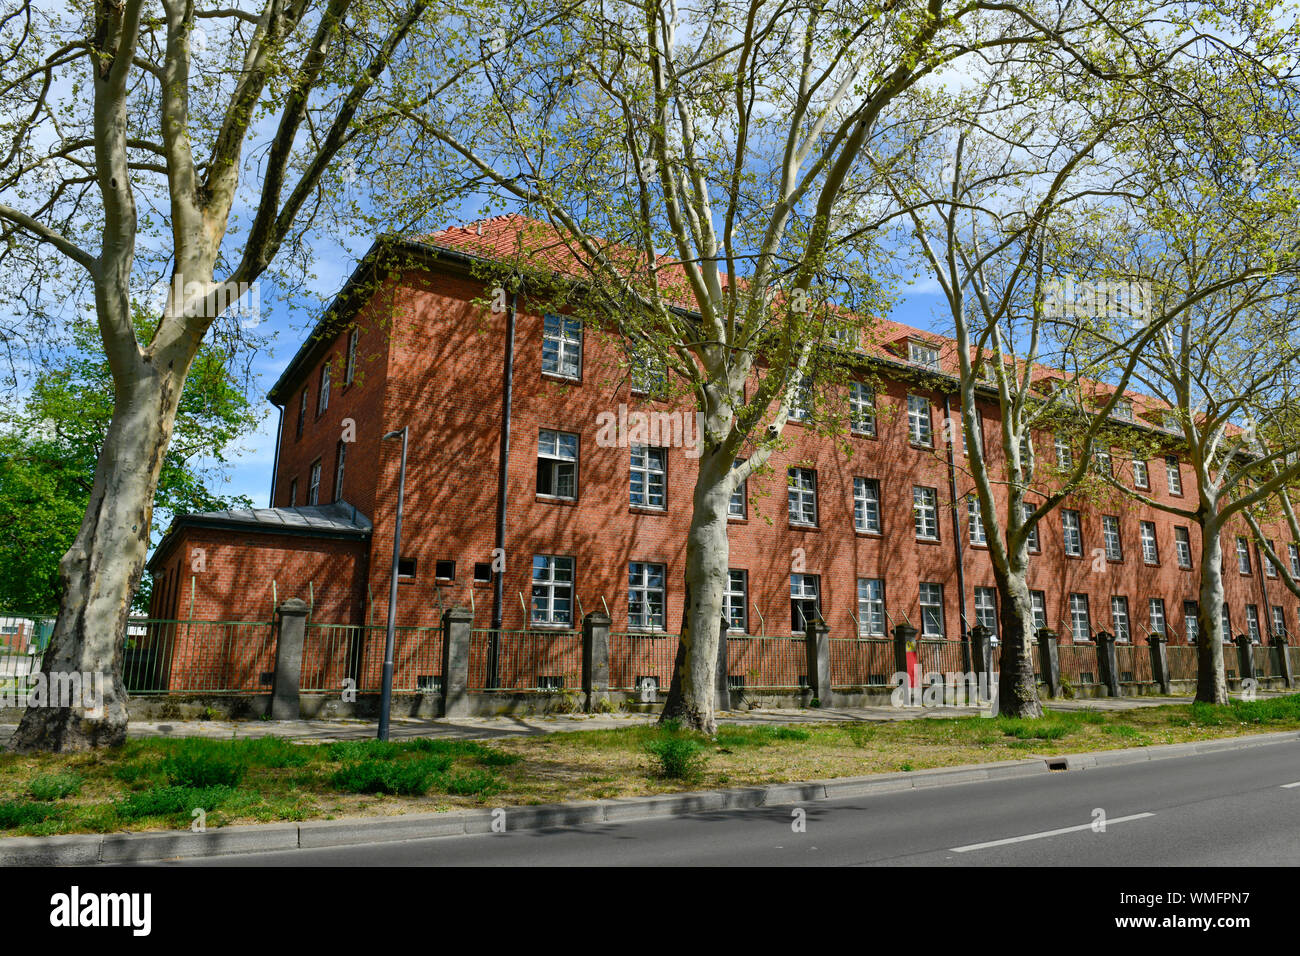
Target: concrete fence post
[(595, 658), (1282, 654), (721, 684), (1049, 660), (456, 625), (818, 646), (1107, 663), (291, 633), (1245, 657), (981, 646), (1159, 661)]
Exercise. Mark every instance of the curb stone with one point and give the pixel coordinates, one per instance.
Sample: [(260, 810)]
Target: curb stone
[(93, 848)]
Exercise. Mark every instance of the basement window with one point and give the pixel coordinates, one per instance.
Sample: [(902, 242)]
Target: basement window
[(405, 568), (482, 572), (444, 570)]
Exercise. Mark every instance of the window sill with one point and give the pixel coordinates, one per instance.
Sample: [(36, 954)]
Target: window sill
[(736, 519), (555, 500), (877, 535), (929, 541), (794, 526), (647, 510), (560, 377)]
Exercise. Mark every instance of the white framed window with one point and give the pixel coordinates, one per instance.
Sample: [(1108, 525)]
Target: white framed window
[(648, 374), (1141, 477), (1252, 623), (1073, 537), (313, 486), (1026, 453), (738, 504), (350, 366), (1156, 616), (1038, 604), (735, 601), (803, 496), (862, 410), (645, 596), (557, 464), (1101, 460), (866, 505), (1279, 621), (920, 428), (1080, 624), (552, 590), (648, 477), (1269, 569), (1293, 551), (1191, 624), (921, 354), (1150, 549), (805, 600), (1227, 624), (302, 412), (1174, 474), (1119, 617), (871, 607), (1123, 410), (975, 519), (1035, 544), (323, 396), (1183, 545), (1110, 535), (1243, 555), (931, 609), (341, 454), (562, 345), (925, 512), (1064, 453), (801, 400), (986, 608)]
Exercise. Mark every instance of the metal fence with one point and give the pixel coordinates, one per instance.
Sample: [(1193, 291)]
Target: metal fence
[(333, 654), (210, 657), (767, 663), (861, 662), (23, 638), (1078, 663), (1181, 659), (524, 659), (1133, 661), (634, 657)]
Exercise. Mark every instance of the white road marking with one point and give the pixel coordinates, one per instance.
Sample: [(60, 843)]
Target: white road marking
[(1047, 833), (1288, 786)]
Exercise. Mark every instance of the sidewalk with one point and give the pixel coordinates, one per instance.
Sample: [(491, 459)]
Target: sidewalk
[(480, 728)]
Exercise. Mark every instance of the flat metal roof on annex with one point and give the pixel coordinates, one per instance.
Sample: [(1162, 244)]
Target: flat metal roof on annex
[(336, 520)]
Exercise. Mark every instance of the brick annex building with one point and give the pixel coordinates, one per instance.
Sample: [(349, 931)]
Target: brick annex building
[(503, 412)]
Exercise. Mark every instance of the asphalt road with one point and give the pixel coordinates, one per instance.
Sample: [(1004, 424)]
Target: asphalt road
[(1233, 808)]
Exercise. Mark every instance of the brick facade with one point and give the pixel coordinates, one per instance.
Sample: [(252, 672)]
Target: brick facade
[(430, 358)]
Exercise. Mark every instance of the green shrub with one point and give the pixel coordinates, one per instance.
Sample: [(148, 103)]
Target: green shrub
[(470, 783), (274, 753), (679, 757), (200, 763), (54, 786), (171, 801), (791, 733), (411, 777), (18, 813)]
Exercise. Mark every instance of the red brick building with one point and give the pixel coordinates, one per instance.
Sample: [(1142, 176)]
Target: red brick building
[(504, 412)]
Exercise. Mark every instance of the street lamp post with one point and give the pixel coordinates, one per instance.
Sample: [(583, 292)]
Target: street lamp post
[(386, 698)]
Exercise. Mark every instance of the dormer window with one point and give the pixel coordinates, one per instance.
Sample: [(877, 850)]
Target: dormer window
[(1123, 410), (921, 354)]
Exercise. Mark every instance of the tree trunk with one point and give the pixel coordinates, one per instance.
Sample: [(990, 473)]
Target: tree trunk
[(1017, 686), (102, 570), (690, 698), (1211, 687)]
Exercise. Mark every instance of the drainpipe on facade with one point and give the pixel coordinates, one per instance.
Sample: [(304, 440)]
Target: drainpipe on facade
[(956, 532), (275, 468), (503, 469)]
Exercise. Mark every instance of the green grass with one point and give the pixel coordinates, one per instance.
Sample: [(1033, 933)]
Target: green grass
[(160, 782)]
